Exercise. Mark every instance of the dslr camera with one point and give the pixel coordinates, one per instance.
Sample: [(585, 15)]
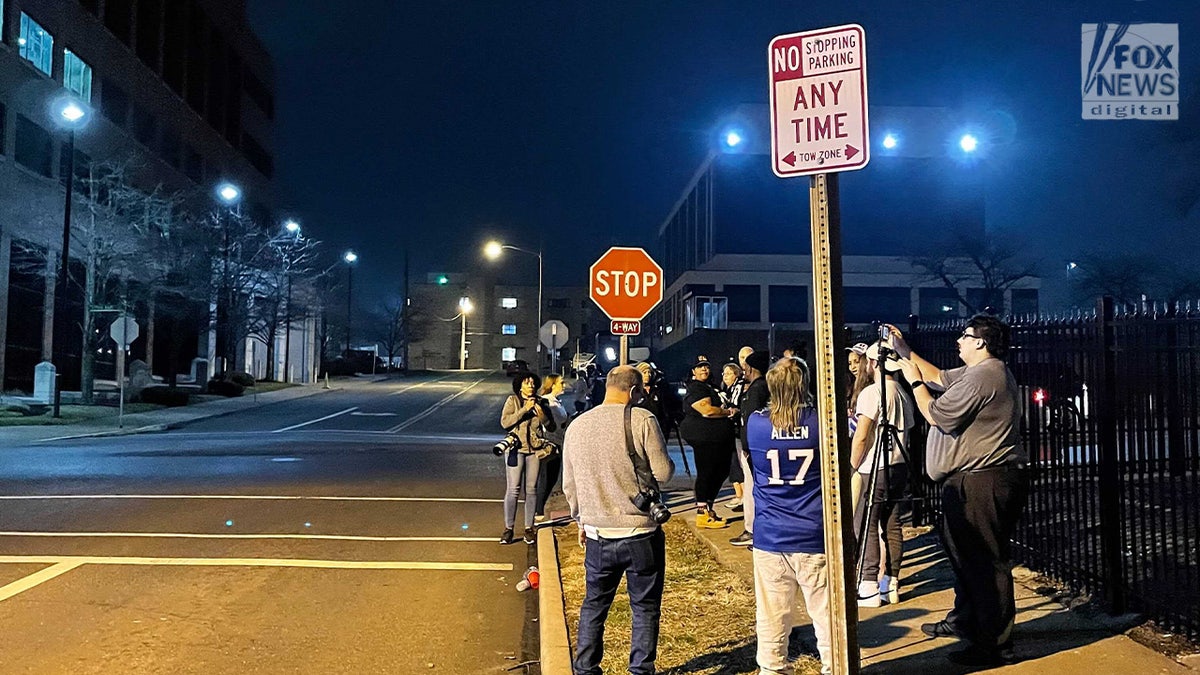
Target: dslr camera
[(509, 443), (650, 501)]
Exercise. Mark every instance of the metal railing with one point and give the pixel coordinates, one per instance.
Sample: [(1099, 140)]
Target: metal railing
[(1112, 428)]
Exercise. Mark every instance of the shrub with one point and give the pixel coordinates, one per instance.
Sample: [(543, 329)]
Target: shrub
[(225, 388), (164, 395), (244, 379)]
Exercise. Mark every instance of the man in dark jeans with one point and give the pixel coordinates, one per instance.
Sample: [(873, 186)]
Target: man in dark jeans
[(620, 540), (974, 451)]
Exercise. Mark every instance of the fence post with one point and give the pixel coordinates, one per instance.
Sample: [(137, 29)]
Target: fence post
[(1174, 415), (1111, 530)]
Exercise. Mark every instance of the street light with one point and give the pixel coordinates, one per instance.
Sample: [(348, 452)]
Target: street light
[(493, 250), (350, 257), (72, 115), (229, 195), (292, 228), (464, 308)]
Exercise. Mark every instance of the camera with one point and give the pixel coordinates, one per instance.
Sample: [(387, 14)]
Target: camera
[(509, 443), (650, 501), (885, 333)]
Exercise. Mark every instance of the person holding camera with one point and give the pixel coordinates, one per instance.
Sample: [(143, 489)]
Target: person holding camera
[(526, 417), (974, 451), (789, 526), (614, 459)]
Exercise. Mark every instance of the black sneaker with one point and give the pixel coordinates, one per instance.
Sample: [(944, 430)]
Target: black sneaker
[(530, 536), (940, 629), (507, 537), (743, 539)]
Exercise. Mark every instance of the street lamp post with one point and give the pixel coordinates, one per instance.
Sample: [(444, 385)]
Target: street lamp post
[(464, 308), (230, 195), (493, 250), (350, 257), (73, 116), (292, 228)]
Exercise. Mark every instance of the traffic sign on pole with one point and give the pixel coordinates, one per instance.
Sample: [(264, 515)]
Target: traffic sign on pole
[(626, 283), (819, 101), (124, 330), (625, 327)]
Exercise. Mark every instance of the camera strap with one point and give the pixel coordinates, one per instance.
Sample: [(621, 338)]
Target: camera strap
[(641, 467)]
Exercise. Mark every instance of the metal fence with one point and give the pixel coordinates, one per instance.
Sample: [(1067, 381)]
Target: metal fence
[(1112, 427)]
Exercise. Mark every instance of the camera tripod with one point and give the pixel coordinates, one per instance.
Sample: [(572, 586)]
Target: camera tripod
[(887, 439)]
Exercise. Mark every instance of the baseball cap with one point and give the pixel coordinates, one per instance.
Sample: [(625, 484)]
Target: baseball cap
[(859, 348)]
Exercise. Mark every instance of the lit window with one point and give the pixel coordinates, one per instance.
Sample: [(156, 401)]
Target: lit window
[(508, 329), (508, 303), (37, 46), (508, 354), (77, 75)]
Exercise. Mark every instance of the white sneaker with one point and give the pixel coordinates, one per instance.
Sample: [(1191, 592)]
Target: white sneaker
[(734, 503), (868, 594), (889, 589)]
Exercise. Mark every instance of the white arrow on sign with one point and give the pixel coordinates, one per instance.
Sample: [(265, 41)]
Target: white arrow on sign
[(124, 330)]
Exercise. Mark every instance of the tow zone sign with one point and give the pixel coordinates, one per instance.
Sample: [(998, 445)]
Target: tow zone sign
[(819, 101)]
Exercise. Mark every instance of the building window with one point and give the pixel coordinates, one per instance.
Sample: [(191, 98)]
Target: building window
[(508, 303), (708, 312), (558, 303), (788, 304), (114, 102), (33, 146), (870, 304), (937, 302), (37, 46), (743, 303), (508, 354), (508, 329), (77, 75)]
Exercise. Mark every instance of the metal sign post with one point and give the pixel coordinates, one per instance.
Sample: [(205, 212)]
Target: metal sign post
[(124, 330), (819, 126)]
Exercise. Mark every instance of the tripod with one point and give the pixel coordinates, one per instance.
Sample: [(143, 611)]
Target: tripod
[(887, 438)]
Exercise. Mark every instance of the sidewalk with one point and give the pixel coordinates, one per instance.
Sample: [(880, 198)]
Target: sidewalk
[(158, 420), (1049, 638)]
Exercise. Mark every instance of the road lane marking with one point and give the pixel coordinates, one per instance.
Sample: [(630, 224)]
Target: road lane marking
[(419, 384), (262, 497), (56, 568), (433, 408), (76, 561), (233, 535), (377, 414), (319, 419)]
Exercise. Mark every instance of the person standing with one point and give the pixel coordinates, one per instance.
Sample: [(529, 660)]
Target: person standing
[(619, 539), (789, 529), (891, 476), (551, 456), (754, 398), (974, 451), (708, 428), (732, 386), (525, 417)]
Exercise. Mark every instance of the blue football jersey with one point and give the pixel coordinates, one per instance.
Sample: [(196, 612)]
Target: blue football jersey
[(788, 516)]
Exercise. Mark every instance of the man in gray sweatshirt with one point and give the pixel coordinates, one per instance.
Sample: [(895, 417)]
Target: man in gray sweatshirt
[(620, 539)]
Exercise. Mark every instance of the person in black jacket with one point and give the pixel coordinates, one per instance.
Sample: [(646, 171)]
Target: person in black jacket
[(755, 397), (708, 428)]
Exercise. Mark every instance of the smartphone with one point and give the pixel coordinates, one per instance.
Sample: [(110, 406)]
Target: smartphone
[(885, 333)]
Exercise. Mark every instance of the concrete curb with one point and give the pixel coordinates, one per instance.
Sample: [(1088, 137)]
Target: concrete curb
[(552, 611)]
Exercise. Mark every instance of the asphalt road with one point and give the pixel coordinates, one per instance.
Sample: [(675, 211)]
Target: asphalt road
[(355, 531)]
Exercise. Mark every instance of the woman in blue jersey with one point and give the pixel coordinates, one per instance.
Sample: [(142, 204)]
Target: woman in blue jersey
[(789, 536)]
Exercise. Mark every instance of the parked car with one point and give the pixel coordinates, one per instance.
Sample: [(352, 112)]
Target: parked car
[(516, 366)]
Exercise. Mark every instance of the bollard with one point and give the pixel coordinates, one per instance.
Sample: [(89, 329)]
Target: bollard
[(326, 380)]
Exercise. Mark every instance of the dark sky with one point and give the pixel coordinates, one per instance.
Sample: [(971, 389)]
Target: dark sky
[(435, 124)]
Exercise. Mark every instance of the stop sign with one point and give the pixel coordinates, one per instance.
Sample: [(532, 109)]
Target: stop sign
[(626, 283)]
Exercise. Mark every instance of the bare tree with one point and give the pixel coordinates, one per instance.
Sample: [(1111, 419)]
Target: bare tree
[(1130, 278), (271, 304), (390, 329), (984, 263)]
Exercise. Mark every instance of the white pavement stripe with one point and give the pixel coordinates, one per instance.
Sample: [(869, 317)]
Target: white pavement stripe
[(319, 419), (75, 561), (196, 535), (262, 497), (420, 384), (56, 568), (433, 408)]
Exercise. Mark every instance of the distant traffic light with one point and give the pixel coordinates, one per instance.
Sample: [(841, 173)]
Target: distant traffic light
[(443, 280)]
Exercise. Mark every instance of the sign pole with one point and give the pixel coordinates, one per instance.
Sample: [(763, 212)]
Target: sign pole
[(624, 350), (121, 373), (825, 219)]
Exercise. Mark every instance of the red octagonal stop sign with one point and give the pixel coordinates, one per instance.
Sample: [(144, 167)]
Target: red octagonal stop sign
[(626, 283)]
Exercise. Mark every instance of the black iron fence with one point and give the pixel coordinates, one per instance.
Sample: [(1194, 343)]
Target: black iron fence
[(1112, 427)]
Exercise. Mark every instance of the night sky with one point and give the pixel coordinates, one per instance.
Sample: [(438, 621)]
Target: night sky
[(437, 124)]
